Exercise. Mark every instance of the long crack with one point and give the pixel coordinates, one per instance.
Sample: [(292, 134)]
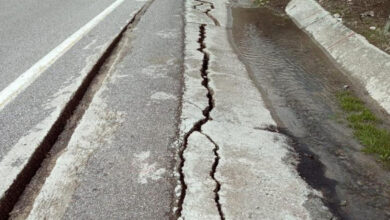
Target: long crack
[(198, 126), (212, 174), (206, 113)]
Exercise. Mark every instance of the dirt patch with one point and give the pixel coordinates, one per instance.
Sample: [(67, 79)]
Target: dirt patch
[(370, 18)]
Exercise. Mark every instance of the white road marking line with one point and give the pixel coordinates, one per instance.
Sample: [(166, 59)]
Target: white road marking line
[(28, 77)]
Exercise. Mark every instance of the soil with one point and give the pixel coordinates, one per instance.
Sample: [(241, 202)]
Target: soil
[(356, 14)]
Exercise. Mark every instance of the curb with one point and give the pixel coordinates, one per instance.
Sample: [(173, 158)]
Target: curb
[(360, 59)]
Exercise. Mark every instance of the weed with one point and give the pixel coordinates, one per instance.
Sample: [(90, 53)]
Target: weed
[(366, 126), (261, 2), (350, 103), (363, 116)]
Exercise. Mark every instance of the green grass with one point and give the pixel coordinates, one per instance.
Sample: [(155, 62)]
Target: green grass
[(350, 103), (366, 126), (261, 2), (365, 116)]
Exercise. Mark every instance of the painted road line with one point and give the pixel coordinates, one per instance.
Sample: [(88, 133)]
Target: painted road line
[(28, 77)]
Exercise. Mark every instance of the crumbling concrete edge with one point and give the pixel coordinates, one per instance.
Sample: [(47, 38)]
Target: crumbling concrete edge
[(356, 57)]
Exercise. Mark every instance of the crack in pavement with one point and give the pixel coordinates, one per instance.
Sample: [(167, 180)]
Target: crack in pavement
[(212, 174), (216, 22), (198, 125), (196, 6)]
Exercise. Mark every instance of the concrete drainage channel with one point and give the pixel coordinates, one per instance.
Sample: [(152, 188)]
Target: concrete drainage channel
[(40, 163), (301, 84)]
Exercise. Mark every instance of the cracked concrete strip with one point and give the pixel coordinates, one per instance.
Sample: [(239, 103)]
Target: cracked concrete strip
[(196, 103), (199, 202), (196, 123), (194, 96)]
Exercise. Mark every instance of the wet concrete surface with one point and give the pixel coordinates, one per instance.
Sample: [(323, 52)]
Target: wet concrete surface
[(299, 83)]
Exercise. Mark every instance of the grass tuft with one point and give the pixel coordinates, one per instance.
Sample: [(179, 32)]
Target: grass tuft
[(364, 116), (366, 126), (350, 103), (261, 2)]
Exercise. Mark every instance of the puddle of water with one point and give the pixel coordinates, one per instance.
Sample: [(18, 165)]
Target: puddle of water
[(299, 83)]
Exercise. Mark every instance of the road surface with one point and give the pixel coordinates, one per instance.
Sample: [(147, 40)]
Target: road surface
[(150, 109), (32, 119)]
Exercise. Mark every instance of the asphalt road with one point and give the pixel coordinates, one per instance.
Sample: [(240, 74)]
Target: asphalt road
[(26, 120), (140, 184), (29, 113), (119, 161), (31, 29)]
